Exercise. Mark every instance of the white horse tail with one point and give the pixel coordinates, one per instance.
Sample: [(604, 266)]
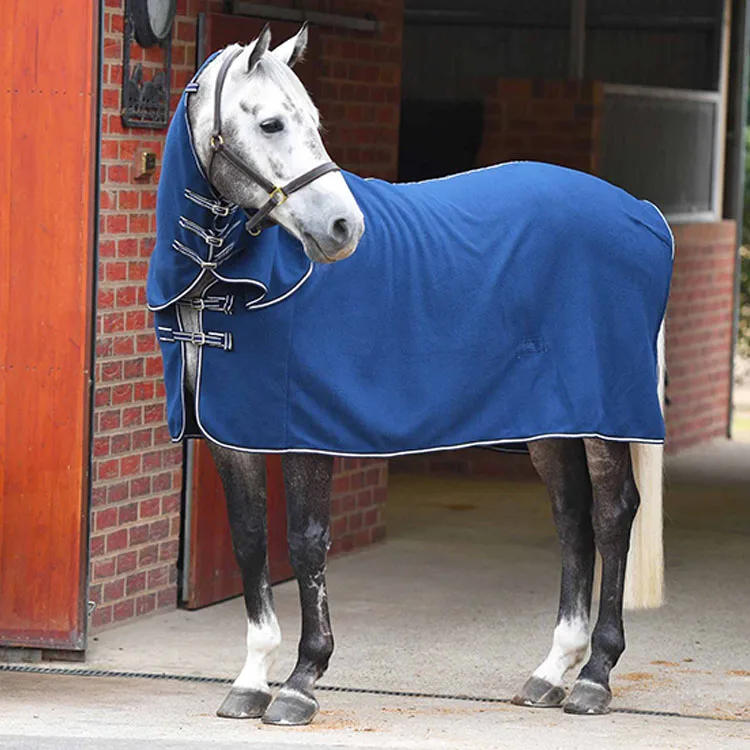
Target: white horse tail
[(644, 578)]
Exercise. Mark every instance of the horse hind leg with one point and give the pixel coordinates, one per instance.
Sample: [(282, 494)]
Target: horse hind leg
[(307, 480), (561, 464), (244, 478), (615, 502)]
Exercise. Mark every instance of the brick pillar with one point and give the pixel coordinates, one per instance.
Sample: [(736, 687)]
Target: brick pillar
[(699, 333)]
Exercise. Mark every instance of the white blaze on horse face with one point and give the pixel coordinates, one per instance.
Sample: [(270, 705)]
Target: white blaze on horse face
[(569, 644), (270, 120), (263, 640)]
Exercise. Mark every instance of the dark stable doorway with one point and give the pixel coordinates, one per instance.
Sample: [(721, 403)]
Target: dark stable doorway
[(438, 138)]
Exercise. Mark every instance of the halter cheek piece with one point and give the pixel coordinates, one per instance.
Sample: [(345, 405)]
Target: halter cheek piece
[(276, 194)]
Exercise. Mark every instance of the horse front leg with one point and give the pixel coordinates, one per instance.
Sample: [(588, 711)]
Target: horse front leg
[(244, 478), (561, 464), (307, 480), (615, 504)]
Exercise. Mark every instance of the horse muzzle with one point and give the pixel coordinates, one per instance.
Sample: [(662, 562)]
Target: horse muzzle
[(338, 243)]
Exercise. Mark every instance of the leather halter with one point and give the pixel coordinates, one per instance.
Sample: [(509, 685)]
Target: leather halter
[(276, 194)]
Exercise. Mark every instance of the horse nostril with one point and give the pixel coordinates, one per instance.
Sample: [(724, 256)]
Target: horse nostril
[(341, 231)]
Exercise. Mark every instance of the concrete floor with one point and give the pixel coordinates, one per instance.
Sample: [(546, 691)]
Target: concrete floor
[(460, 600)]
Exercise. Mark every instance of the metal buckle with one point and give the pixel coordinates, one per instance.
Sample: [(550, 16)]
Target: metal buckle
[(215, 241), (198, 338), (218, 210), (278, 196), (217, 142), (208, 264)]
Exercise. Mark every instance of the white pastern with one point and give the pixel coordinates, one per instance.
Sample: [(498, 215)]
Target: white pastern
[(569, 644), (263, 640)]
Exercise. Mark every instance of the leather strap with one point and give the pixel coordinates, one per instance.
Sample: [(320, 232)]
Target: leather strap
[(277, 195)]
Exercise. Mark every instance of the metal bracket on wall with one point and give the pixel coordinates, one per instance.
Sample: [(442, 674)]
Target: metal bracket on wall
[(332, 20), (145, 103)]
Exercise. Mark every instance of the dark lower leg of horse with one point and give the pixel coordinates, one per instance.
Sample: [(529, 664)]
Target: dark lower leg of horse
[(561, 464), (615, 504), (244, 478), (307, 480)]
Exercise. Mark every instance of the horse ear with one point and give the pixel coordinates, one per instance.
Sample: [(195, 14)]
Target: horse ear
[(259, 48), (292, 50)]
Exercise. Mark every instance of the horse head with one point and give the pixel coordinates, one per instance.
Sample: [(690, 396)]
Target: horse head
[(257, 136)]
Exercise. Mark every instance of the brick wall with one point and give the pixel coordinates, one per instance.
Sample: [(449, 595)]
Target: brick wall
[(360, 488), (551, 121), (699, 333), (137, 471)]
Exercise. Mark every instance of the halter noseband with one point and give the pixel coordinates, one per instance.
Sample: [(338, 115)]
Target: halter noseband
[(276, 194)]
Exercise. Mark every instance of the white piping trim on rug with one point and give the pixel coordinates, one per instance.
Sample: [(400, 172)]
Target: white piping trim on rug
[(251, 306), (457, 174), (666, 223)]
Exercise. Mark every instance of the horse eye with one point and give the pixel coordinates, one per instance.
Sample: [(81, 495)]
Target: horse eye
[(272, 126)]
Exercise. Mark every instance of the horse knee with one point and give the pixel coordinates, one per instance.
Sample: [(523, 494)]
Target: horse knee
[(308, 549), (613, 514)]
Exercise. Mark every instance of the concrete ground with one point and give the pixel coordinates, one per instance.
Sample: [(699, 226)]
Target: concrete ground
[(460, 601)]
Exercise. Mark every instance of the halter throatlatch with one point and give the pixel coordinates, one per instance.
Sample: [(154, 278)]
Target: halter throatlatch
[(276, 194)]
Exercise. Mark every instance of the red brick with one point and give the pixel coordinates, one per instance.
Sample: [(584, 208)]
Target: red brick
[(127, 296), (126, 562), (140, 486), (148, 555), (127, 513), (169, 550), (167, 598), (149, 508), (116, 493), (158, 577), (130, 465), (101, 616), (108, 469), (113, 590), (103, 569), (142, 438), (132, 416), (105, 519), (122, 394), (145, 604), (133, 368), (138, 534), (124, 610), (158, 530), (117, 540), (143, 391), (123, 346), (101, 447), (135, 583)]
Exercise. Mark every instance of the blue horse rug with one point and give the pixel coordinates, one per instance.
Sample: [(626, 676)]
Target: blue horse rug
[(507, 304)]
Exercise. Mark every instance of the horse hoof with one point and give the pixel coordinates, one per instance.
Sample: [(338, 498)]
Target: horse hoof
[(588, 699), (242, 703), (291, 708), (538, 693)]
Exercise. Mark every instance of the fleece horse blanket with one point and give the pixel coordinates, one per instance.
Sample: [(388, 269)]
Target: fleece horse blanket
[(506, 304)]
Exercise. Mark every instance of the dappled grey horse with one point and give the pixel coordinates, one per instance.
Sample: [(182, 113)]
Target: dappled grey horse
[(520, 302)]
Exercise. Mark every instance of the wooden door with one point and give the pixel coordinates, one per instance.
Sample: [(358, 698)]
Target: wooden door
[(48, 62), (211, 573)]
